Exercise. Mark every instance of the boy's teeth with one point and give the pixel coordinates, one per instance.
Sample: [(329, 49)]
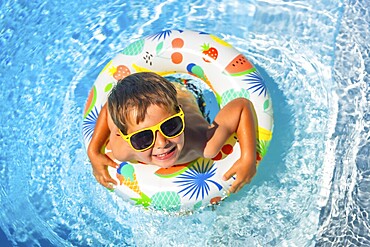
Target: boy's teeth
[(164, 154), (161, 155)]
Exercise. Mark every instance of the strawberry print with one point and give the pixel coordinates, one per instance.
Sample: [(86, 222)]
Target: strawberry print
[(121, 72), (209, 51)]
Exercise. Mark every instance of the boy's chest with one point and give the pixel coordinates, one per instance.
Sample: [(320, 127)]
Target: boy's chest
[(195, 140)]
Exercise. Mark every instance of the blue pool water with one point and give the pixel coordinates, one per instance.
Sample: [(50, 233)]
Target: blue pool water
[(313, 187)]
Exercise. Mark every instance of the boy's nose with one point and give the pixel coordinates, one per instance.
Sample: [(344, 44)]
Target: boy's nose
[(160, 140)]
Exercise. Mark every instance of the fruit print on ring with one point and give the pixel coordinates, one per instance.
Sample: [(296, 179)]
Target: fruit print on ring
[(239, 66), (211, 52), (215, 63), (176, 57), (121, 71)]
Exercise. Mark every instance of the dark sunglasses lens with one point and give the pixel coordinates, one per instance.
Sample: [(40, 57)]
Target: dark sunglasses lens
[(142, 139), (172, 127)]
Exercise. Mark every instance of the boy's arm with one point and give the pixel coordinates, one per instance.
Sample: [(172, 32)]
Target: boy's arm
[(237, 116), (100, 161)]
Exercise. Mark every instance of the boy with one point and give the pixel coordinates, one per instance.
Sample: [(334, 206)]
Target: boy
[(148, 119)]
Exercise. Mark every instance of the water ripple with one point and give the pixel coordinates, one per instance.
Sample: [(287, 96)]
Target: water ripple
[(345, 218), (48, 194)]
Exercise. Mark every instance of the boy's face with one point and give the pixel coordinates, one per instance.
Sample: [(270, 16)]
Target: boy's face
[(165, 151)]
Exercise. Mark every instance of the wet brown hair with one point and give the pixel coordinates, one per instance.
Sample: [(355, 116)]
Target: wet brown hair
[(133, 94)]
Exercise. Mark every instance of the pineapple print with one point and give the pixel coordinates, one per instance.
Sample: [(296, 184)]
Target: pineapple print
[(135, 48), (231, 94), (126, 175), (164, 200), (167, 201)]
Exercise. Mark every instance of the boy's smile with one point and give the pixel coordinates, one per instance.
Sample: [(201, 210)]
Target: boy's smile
[(165, 151), (165, 154)]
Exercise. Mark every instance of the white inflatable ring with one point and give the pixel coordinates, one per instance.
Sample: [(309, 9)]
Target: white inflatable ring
[(224, 71)]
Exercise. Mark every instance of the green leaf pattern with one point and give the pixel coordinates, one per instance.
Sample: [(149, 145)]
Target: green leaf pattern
[(108, 87), (159, 47)]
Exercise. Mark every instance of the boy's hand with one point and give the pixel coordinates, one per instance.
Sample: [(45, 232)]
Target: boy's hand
[(100, 165), (244, 172)]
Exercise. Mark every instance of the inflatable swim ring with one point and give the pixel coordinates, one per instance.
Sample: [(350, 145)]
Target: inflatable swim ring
[(225, 74)]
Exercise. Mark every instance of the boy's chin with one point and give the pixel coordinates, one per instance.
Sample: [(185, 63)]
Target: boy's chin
[(165, 165)]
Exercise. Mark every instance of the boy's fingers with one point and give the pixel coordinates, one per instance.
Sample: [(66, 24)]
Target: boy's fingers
[(228, 174), (108, 179), (112, 164), (111, 180), (241, 185), (232, 189), (110, 186), (236, 186), (109, 183), (102, 182)]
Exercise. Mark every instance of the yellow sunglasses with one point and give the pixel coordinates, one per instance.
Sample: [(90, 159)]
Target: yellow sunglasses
[(144, 139)]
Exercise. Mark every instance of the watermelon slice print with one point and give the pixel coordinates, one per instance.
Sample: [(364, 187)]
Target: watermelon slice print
[(172, 171), (239, 66), (90, 102)]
